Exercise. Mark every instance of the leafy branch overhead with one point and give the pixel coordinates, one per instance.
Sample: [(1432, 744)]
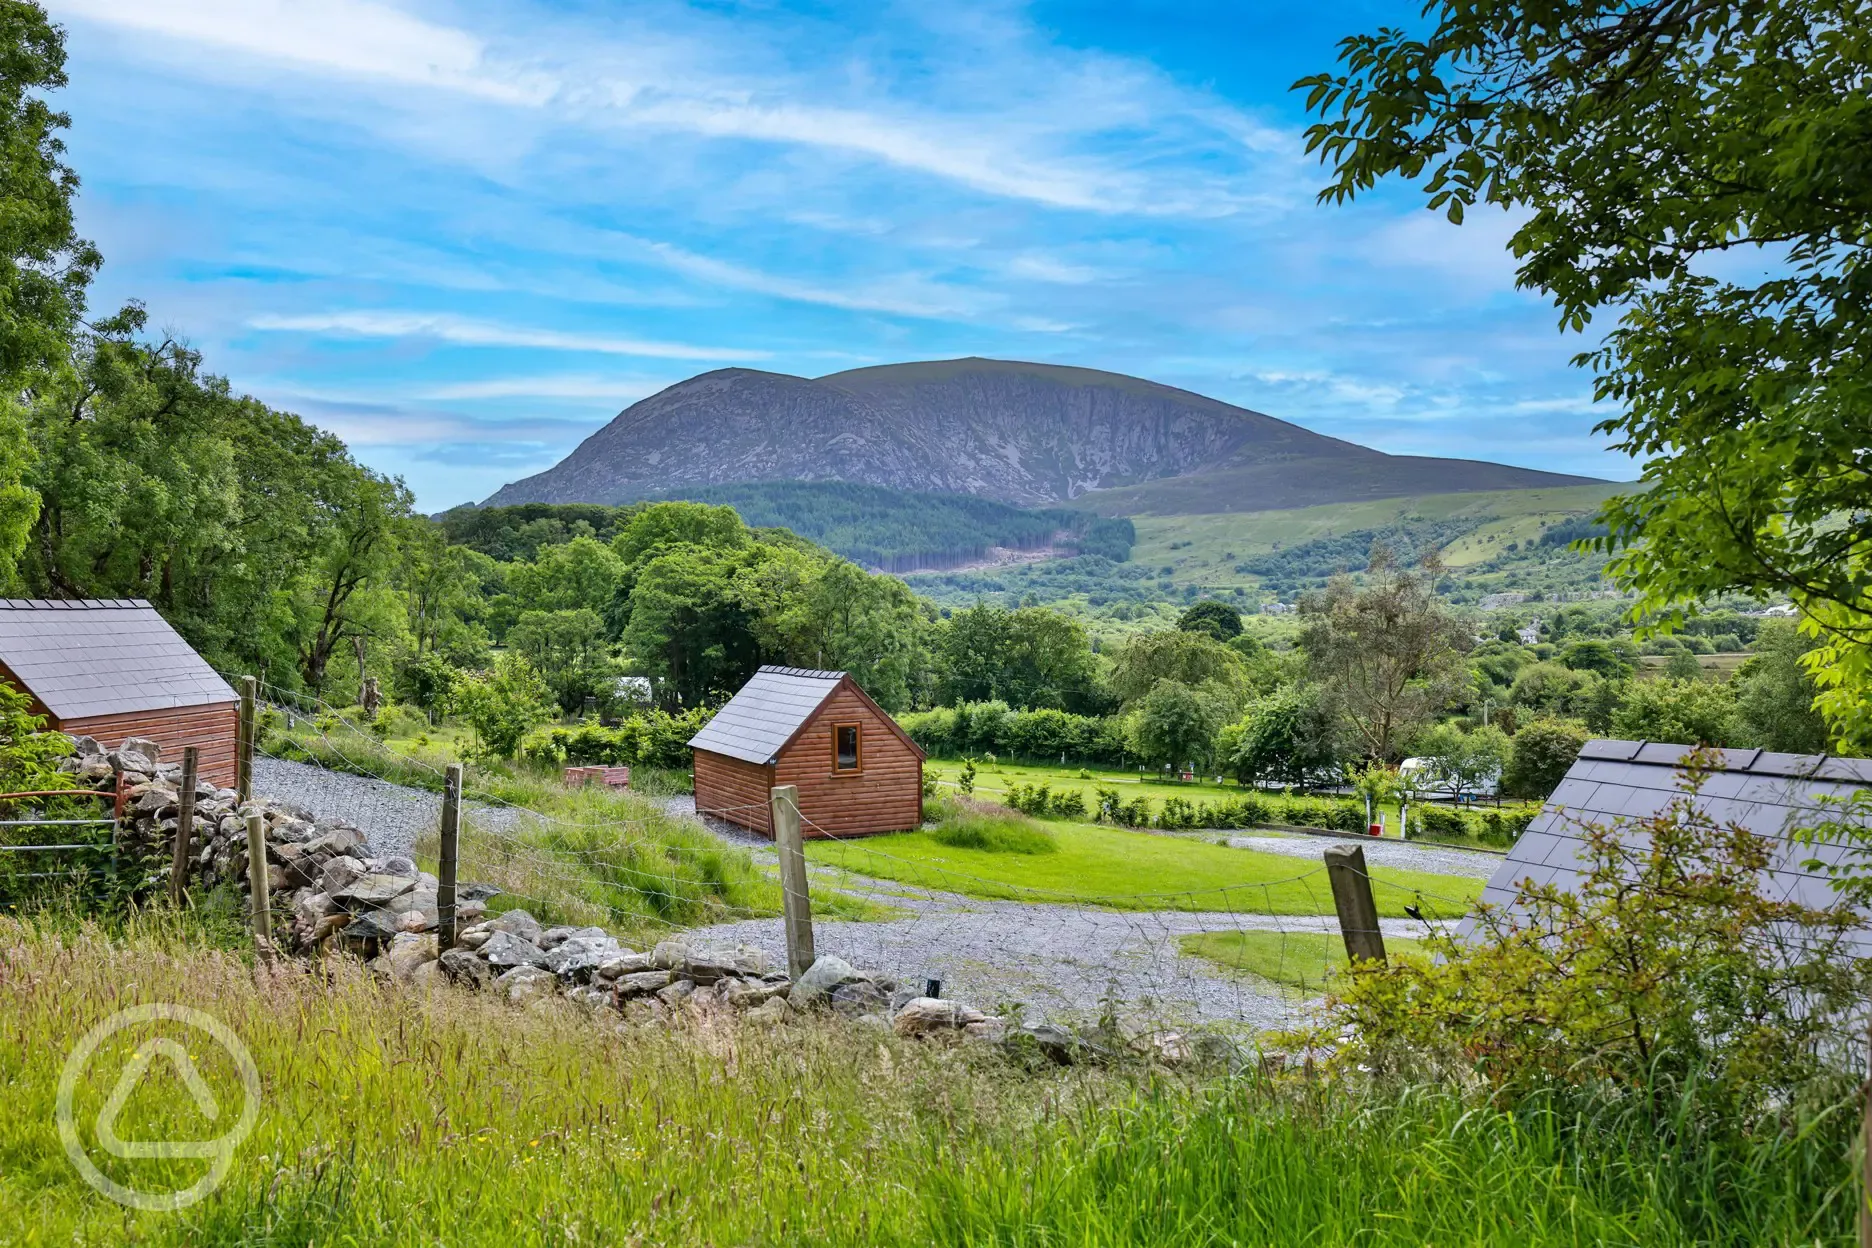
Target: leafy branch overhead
[(1639, 145)]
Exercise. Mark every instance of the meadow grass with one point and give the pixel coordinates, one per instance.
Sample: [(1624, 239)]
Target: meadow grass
[(1301, 960), (1117, 869), (395, 1118)]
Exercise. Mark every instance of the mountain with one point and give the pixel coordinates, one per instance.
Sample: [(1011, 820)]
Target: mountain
[(1026, 434)]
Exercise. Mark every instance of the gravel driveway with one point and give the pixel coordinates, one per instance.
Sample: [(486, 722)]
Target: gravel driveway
[(391, 815), (1056, 960)]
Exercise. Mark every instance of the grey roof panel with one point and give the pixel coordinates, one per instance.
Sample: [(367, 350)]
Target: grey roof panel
[(770, 708), (1619, 783), (86, 657)]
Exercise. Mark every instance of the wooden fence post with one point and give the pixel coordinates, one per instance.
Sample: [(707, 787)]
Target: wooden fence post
[(244, 740), (445, 866), (1352, 898), (185, 823), (257, 880), (786, 824)]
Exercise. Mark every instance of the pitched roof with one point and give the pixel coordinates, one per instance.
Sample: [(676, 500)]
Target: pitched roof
[(102, 656), (770, 709), (1615, 782)]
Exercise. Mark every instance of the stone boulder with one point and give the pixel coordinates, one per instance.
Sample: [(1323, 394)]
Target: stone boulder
[(526, 984), (924, 1016), (462, 967), (816, 985), (504, 949), (518, 923)]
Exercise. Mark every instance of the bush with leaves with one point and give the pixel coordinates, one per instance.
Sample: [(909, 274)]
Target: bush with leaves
[(502, 706), (651, 737), (1668, 962), (1542, 751)]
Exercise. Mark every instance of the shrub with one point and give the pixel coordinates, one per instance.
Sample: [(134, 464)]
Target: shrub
[(993, 834), (1542, 751), (649, 738), (1665, 966)]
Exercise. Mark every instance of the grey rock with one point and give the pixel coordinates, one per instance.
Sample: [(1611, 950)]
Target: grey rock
[(1057, 1043), (398, 866), (821, 978), (339, 872), (371, 925), (641, 983), (552, 936), (524, 984), (87, 747), (770, 1012), (474, 936), (592, 999), (476, 892), (374, 890), (623, 962), (409, 951), (708, 967), (922, 1015), (670, 954), (749, 993), (678, 992), (340, 840), (462, 967), (577, 957), (141, 745), (857, 998), (520, 924), (505, 949)]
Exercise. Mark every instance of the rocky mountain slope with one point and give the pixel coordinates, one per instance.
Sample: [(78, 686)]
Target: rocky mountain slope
[(1027, 434)]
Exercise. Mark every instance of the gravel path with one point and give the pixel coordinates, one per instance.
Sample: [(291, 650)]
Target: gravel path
[(391, 815), (1057, 960)]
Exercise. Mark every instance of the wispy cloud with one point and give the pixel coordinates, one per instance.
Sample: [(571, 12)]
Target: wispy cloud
[(907, 296), (442, 327)]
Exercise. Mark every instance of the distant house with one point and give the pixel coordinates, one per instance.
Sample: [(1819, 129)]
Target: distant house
[(1617, 783), (1530, 632), (112, 668), (856, 770)]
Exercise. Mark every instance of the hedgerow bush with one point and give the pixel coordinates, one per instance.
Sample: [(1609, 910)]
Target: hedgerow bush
[(991, 727), (650, 738)]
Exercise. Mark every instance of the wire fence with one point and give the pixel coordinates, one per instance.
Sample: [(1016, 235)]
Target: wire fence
[(1250, 952)]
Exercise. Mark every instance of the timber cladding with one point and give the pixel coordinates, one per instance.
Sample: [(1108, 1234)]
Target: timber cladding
[(856, 771), (113, 668)]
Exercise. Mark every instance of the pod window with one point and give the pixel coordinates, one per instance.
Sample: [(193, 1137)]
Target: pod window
[(847, 748)]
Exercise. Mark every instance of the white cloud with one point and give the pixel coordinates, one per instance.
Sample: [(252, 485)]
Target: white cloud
[(1045, 268), (443, 327), (618, 390), (904, 297), (349, 37)]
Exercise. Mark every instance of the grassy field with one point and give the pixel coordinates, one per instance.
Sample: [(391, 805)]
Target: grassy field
[(994, 781), (1203, 549), (1110, 867), (454, 1119), (1300, 960)]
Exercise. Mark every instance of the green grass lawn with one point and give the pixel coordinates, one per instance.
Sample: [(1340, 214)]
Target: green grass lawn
[(1300, 960), (1125, 870)]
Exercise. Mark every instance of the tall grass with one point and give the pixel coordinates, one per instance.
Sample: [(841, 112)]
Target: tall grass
[(403, 1119), (963, 824)]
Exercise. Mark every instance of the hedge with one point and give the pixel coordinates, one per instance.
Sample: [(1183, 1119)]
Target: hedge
[(976, 728), (649, 738)]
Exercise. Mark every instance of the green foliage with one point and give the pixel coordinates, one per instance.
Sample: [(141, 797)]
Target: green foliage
[(1683, 665), (900, 532), (519, 533), (1388, 655), (982, 727), (504, 705), (968, 828), (647, 737), (1639, 143), (1607, 658), (1042, 801), (1310, 564), (1176, 725), (1029, 657), (1287, 738), (1218, 619), (1464, 763), (1775, 694), (1193, 660), (29, 754), (1690, 712), (1543, 750), (1667, 965), (569, 649)]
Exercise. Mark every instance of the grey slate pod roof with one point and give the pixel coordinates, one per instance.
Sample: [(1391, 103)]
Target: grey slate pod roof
[(103, 656), (1617, 783), (773, 706)]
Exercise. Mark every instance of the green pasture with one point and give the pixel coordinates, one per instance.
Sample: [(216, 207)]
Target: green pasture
[(1203, 549), (1125, 870), (1301, 960)]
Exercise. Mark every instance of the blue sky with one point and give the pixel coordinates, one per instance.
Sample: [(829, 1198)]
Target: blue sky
[(464, 235)]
